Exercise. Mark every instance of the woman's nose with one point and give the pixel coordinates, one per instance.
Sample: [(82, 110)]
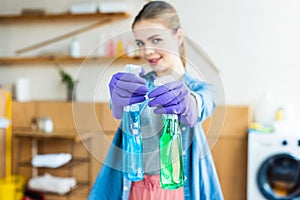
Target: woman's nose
[(149, 50)]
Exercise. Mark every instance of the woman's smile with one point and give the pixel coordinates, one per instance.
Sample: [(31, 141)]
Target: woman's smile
[(154, 61)]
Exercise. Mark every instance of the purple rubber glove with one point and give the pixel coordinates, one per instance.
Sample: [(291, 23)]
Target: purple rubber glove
[(126, 89), (175, 98)]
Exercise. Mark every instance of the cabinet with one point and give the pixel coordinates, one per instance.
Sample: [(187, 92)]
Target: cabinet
[(229, 149), (101, 18), (65, 138), (39, 141)]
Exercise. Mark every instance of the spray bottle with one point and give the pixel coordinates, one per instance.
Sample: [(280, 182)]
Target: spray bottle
[(170, 145), (133, 166)]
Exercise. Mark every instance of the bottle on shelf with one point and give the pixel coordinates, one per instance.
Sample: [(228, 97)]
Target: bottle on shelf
[(111, 46), (170, 145), (120, 47), (133, 166), (75, 48)]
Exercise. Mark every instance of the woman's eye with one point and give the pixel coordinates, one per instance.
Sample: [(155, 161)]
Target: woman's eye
[(139, 43), (156, 40)]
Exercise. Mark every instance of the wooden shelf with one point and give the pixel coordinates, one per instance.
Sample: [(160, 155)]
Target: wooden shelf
[(74, 162), (56, 134), (64, 59), (62, 16)]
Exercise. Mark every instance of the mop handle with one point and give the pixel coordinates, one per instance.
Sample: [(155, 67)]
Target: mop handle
[(8, 135)]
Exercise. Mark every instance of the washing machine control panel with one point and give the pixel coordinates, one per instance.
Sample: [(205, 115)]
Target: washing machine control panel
[(284, 143)]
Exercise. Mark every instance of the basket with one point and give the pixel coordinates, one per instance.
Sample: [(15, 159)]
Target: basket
[(12, 188)]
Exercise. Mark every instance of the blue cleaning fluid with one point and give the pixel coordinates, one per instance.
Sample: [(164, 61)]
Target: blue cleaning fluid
[(132, 163)]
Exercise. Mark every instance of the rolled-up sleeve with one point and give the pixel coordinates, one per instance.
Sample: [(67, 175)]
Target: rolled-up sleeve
[(204, 97)]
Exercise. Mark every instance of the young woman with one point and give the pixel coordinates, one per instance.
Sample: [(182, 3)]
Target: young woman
[(159, 36)]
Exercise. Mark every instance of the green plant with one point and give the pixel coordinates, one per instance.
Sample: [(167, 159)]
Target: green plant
[(67, 78)]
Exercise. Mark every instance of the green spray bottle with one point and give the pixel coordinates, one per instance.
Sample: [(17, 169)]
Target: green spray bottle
[(170, 144)]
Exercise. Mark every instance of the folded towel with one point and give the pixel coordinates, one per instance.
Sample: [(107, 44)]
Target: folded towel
[(49, 183), (51, 160)]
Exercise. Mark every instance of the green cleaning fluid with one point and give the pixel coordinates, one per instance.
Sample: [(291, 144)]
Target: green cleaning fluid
[(171, 164)]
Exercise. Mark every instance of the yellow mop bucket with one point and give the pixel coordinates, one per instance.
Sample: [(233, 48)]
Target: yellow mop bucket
[(11, 186)]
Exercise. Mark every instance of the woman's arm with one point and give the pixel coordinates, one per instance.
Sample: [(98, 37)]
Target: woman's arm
[(202, 93)]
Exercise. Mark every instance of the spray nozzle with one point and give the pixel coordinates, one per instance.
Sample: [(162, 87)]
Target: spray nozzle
[(134, 69)]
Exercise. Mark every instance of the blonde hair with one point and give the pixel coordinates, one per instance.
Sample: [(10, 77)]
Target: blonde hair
[(166, 14)]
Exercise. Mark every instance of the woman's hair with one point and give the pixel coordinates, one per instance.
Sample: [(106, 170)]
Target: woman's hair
[(166, 14)]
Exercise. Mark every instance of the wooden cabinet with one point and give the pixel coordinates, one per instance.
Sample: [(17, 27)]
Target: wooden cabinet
[(42, 142), (229, 150), (73, 123)]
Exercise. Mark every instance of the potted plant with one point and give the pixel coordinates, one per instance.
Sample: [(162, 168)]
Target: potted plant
[(67, 79)]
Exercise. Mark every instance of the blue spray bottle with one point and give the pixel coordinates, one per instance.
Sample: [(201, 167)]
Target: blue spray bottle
[(133, 166)]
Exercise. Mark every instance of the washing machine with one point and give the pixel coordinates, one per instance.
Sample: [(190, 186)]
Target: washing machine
[(273, 166)]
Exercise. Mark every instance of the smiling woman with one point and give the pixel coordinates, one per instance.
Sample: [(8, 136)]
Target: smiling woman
[(160, 46), (160, 39)]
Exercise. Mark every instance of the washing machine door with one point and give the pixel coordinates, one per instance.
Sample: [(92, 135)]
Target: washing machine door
[(278, 177)]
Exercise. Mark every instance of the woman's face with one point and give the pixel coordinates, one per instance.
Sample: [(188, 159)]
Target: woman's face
[(159, 46)]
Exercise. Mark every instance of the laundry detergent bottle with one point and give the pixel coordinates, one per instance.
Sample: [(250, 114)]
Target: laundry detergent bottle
[(170, 145), (132, 163)]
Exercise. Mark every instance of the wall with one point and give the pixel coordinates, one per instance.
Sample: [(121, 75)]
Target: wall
[(254, 43)]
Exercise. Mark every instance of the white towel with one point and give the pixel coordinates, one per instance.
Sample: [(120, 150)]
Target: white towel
[(51, 160), (49, 183)]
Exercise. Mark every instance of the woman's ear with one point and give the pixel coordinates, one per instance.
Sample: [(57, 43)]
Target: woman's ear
[(180, 35)]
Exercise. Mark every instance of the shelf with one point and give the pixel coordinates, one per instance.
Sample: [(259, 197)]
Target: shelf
[(60, 17), (56, 134), (64, 59), (74, 162)]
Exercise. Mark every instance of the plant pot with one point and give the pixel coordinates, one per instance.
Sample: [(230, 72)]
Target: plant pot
[(71, 93)]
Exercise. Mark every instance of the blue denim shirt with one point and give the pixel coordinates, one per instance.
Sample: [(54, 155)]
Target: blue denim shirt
[(201, 178)]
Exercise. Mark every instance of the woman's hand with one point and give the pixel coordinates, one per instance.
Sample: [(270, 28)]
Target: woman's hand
[(175, 98), (126, 89)]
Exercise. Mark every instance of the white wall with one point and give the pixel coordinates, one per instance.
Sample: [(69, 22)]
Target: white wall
[(254, 44)]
